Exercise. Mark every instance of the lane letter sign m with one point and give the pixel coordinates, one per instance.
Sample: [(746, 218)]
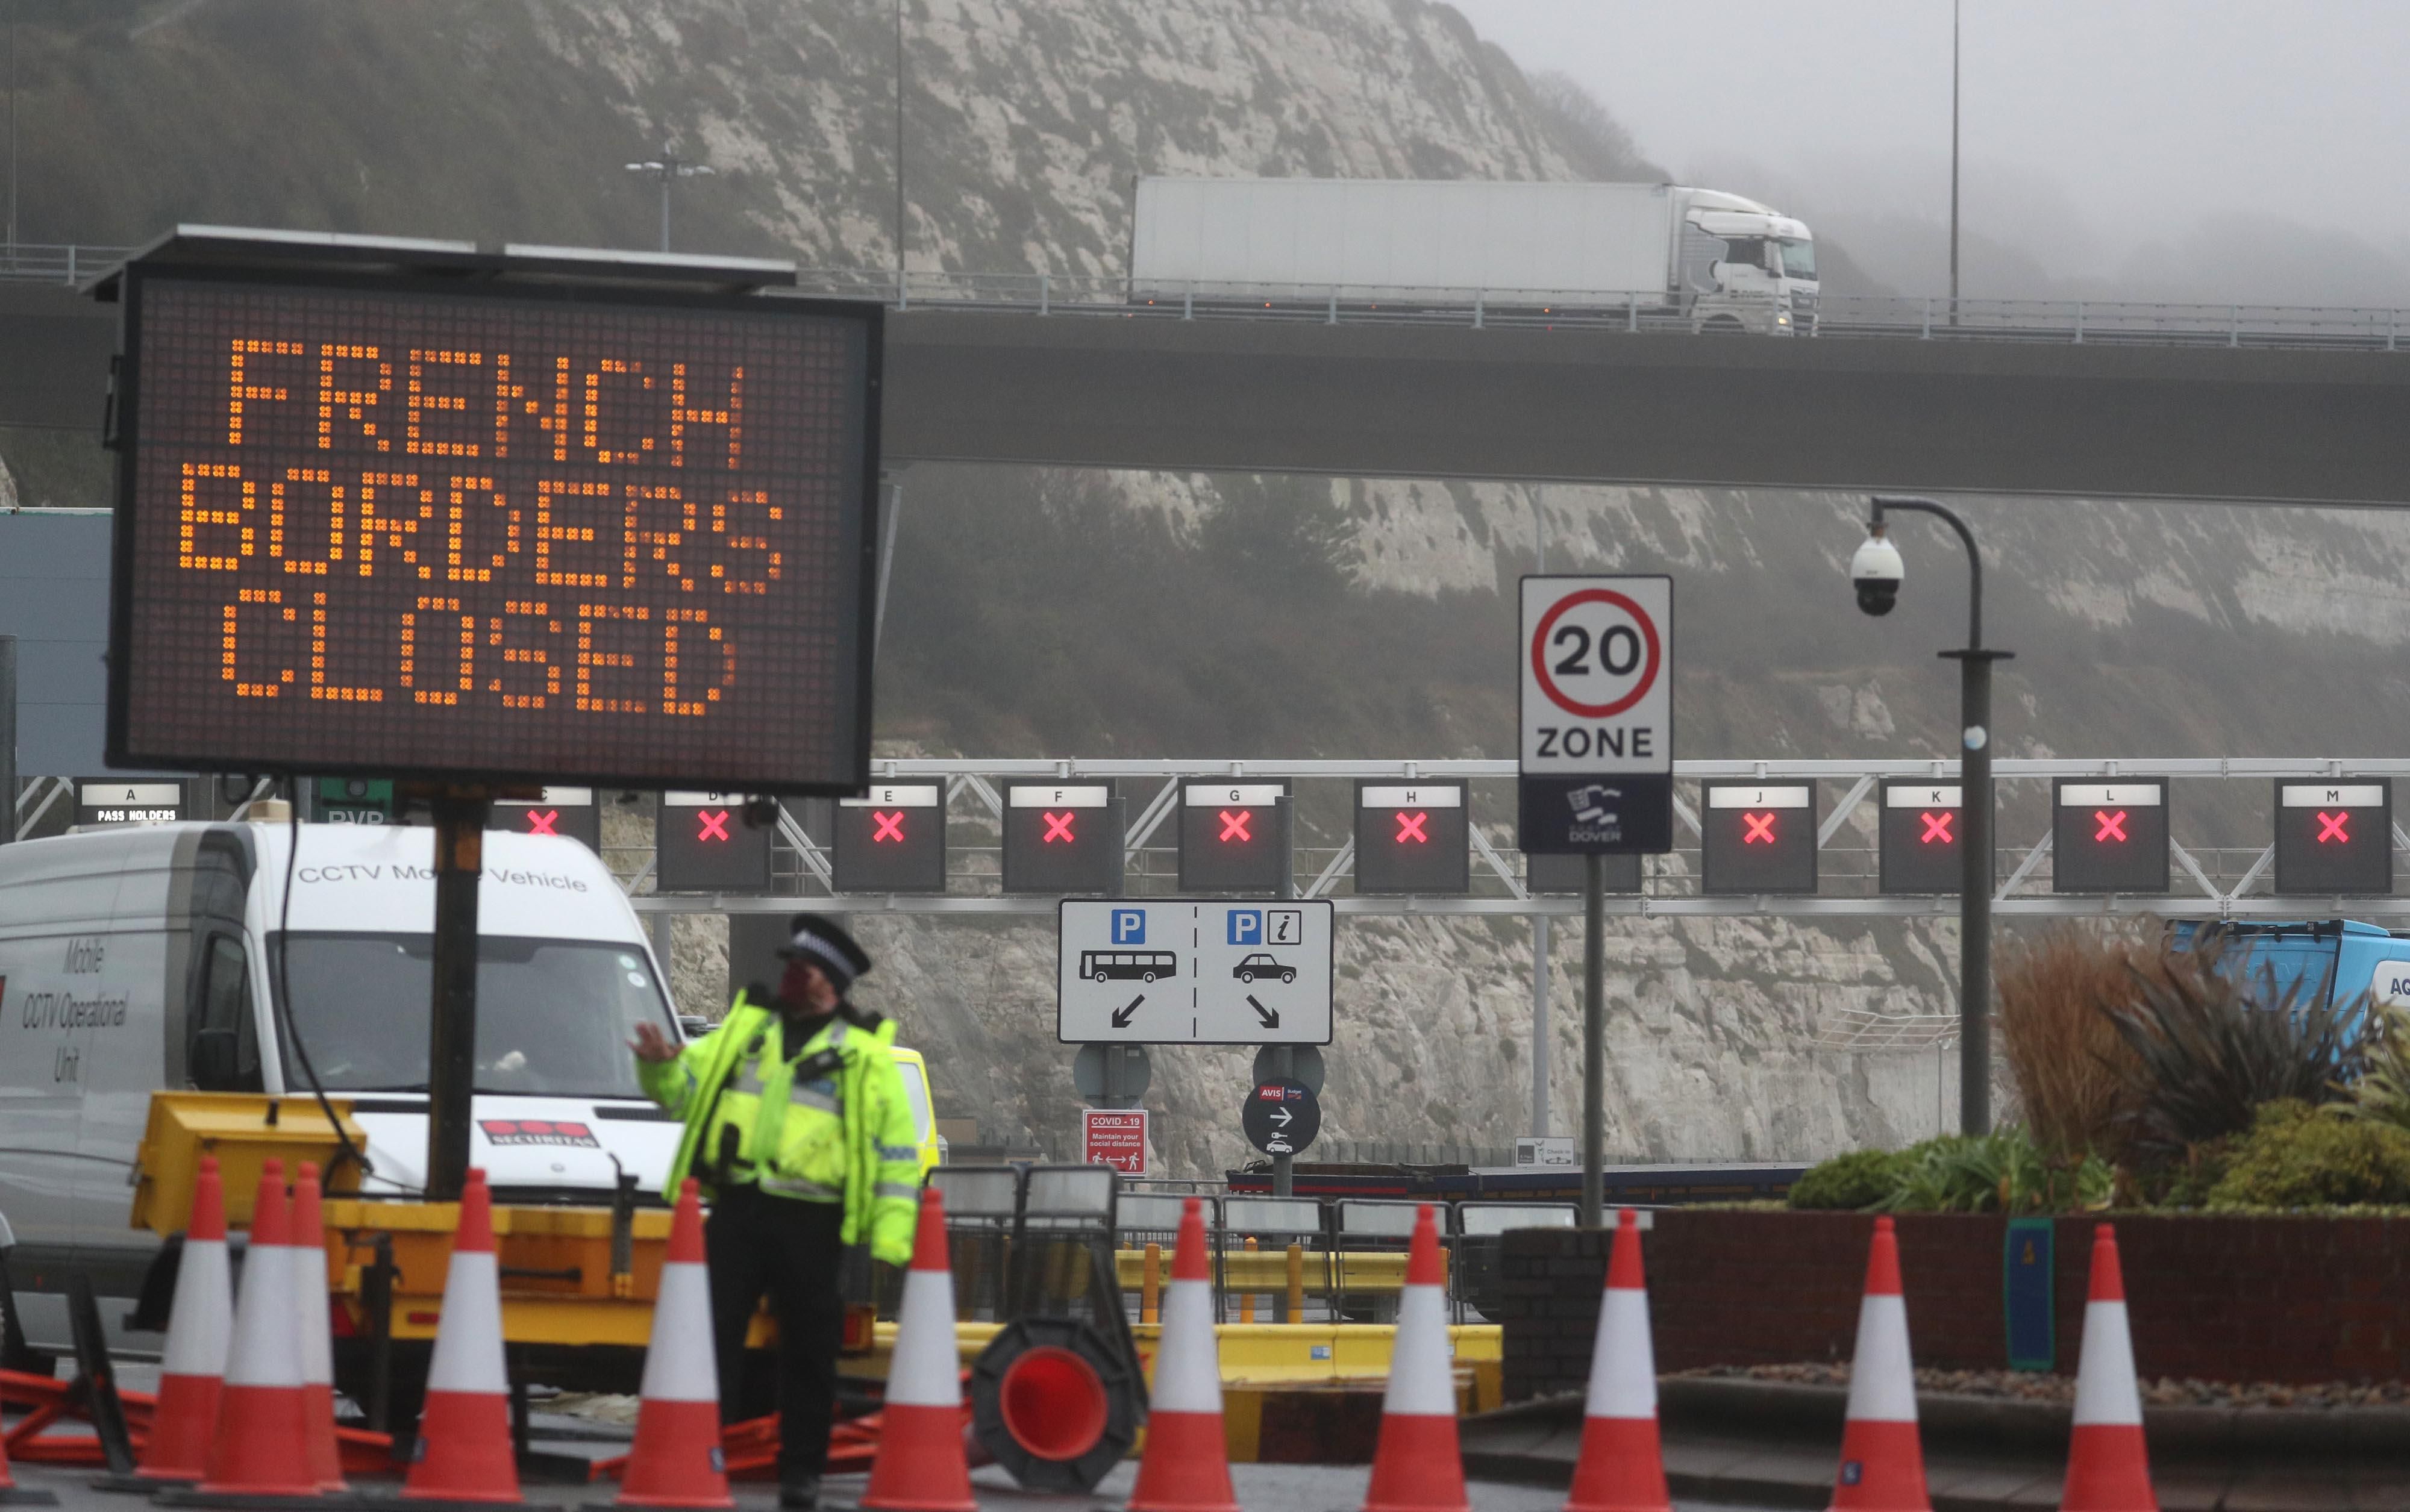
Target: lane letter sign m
[(1595, 665), (2336, 837)]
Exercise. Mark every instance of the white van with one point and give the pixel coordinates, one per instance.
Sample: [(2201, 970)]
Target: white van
[(137, 959)]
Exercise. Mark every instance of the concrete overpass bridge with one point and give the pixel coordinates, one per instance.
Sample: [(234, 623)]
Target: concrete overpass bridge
[(2222, 404)]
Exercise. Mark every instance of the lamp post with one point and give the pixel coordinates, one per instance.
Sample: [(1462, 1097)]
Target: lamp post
[(666, 167), (1954, 168), (1876, 571)]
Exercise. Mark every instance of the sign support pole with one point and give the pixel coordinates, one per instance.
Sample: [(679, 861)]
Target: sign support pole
[(1540, 1025), (452, 1021), (1594, 1199), (1284, 1165)]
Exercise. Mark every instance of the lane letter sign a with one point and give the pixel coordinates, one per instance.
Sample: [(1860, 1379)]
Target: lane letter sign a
[(108, 803), (1062, 838), (701, 844), (1918, 834), (1596, 667), (2109, 836), (2335, 838), (892, 839)]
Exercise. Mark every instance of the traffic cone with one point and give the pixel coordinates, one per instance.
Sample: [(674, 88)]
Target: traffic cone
[(261, 1447), (676, 1461), (2107, 1467), (1417, 1466), (464, 1452), (921, 1467), (192, 1369), (1623, 1467), (1883, 1465), (308, 1261), (1187, 1467)]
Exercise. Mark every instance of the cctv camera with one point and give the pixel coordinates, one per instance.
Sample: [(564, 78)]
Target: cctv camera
[(1875, 572)]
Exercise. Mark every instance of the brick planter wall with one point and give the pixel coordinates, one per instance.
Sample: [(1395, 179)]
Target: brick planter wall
[(2298, 1300)]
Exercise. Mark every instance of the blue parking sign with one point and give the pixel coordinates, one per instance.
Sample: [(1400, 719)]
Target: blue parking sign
[(1247, 926), (1130, 926)]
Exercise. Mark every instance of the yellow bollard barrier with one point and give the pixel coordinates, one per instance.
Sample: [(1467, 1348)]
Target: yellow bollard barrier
[(1247, 1299), (1149, 1286), (1296, 1283)]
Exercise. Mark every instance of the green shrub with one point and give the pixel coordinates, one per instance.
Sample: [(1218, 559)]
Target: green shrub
[(2293, 1160), (2004, 1171), (1855, 1181), (2383, 1091)]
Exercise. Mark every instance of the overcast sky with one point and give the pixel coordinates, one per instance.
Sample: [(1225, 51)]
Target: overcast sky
[(2213, 149)]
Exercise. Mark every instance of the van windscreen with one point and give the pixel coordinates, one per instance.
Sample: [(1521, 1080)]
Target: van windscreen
[(554, 1016)]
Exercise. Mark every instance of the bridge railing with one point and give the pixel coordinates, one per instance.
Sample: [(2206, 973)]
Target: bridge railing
[(29, 262)]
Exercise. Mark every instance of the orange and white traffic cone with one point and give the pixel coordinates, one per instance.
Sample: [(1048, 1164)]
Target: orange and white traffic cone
[(1187, 1467), (1622, 1465), (921, 1466), (464, 1453), (313, 1327), (1416, 1465), (1883, 1463), (675, 1460), (262, 1444), (192, 1369), (2107, 1467)]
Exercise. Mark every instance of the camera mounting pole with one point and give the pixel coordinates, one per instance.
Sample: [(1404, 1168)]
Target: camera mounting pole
[(1975, 802)]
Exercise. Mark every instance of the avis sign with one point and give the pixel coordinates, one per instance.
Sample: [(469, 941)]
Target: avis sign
[(1596, 662)]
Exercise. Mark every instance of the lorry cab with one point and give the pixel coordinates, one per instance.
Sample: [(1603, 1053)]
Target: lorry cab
[(2339, 963), (174, 956), (1751, 266)]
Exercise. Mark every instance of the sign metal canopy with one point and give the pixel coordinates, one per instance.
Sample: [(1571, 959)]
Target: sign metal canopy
[(542, 524)]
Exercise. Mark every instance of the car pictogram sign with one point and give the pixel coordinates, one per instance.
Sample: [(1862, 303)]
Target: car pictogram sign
[(1595, 661)]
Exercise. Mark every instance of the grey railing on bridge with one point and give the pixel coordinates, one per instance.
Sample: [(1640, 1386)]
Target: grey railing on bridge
[(1830, 316)]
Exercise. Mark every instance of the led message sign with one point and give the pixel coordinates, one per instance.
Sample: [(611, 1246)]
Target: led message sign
[(1918, 838), (1062, 838), (2336, 837), (893, 839), (1412, 837), (619, 538), (1758, 837), (2109, 836)]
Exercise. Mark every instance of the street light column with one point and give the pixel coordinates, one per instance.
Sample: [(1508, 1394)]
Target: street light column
[(1975, 828)]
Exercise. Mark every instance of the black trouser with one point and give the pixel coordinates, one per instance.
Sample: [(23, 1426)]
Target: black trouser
[(790, 1249)]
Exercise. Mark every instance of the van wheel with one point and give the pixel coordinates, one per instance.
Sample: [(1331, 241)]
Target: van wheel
[(15, 1354)]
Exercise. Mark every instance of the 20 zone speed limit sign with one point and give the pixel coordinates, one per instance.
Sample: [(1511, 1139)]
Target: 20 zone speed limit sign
[(1597, 669)]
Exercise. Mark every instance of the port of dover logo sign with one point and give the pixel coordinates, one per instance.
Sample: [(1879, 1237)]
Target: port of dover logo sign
[(1596, 665)]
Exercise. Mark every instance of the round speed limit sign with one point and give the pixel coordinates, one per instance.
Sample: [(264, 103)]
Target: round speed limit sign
[(1597, 674), (1596, 653)]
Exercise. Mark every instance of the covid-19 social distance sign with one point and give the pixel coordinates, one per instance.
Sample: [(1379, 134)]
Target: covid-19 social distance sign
[(492, 530), (1596, 662)]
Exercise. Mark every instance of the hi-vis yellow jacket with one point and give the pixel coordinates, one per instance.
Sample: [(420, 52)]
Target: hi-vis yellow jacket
[(843, 1135)]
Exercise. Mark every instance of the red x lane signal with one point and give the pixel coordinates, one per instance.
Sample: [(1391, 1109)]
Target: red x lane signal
[(1936, 827), (1234, 826), (1761, 828), (2330, 827), (889, 827), (2112, 826), (711, 824), (540, 821), (1409, 827), (1058, 827)]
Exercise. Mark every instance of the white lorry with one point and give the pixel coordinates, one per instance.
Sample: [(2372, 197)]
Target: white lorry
[(1643, 250), (145, 958)]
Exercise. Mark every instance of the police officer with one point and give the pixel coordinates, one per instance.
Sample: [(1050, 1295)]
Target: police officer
[(798, 1127)]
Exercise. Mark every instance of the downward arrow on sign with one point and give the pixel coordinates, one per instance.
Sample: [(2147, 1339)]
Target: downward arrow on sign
[(1122, 1016), (1271, 1019)]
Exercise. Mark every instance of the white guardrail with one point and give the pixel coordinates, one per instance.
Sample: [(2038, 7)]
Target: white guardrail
[(2207, 880), (2099, 321)]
